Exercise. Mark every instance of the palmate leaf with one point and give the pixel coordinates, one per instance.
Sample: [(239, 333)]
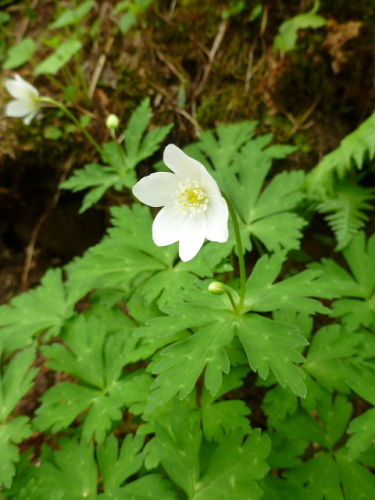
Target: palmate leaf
[(362, 429), (330, 345), (70, 473), (265, 215), (116, 464), (270, 344), (328, 474), (240, 163), (101, 176), (263, 295), (119, 171), (221, 416), (353, 149), (16, 380), (129, 250), (230, 471), (345, 211), (97, 362), (45, 308), (358, 305)]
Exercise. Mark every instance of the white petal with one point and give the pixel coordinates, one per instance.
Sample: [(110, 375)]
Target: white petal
[(28, 118), (168, 225), (192, 237), (19, 108), (217, 220), (182, 165), (20, 89), (156, 190)]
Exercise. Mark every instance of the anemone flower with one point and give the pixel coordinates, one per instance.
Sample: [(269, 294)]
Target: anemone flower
[(193, 207), (26, 99)]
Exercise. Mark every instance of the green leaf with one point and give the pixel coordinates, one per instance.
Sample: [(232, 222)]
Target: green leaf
[(219, 417), (270, 344), (53, 63), (353, 149), (345, 209), (278, 403), (359, 308), (70, 471), (234, 467), (287, 38), (136, 148), (98, 362), (16, 381), (275, 488), (125, 253), (118, 465), (20, 53), (14, 431), (292, 293), (72, 16), (45, 308), (329, 345), (91, 175), (362, 429), (223, 149), (185, 361), (265, 215), (178, 450), (141, 489)]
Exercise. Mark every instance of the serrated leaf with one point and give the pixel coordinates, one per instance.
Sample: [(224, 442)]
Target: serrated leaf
[(140, 489), (127, 251), (261, 212), (219, 417), (178, 450), (11, 432), (362, 429), (359, 308), (116, 464), (269, 345), (97, 361), (70, 471), (278, 403), (185, 361), (62, 55), (329, 345), (234, 467), (292, 293), (15, 381), (44, 308), (103, 177)]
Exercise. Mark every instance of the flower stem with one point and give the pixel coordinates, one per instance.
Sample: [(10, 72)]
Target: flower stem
[(241, 258), (63, 108)]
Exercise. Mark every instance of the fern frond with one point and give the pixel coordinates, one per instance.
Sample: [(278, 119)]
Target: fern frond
[(345, 211), (354, 148)]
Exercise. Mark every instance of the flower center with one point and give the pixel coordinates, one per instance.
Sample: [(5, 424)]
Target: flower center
[(191, 199)]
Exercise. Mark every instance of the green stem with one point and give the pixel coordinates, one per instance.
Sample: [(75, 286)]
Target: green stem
[(241, 258), (63, 108)]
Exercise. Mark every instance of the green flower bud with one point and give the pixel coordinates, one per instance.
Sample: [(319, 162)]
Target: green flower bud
[(112, 122), (217, 288)]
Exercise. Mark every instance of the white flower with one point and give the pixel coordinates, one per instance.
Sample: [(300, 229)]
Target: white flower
[(193, 208), (26, 101)]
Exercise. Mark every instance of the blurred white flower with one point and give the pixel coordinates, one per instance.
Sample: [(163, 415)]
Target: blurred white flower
[(193, 207), (26, 99)]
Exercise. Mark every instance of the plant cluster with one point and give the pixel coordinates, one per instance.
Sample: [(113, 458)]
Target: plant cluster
[(152, 343)]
